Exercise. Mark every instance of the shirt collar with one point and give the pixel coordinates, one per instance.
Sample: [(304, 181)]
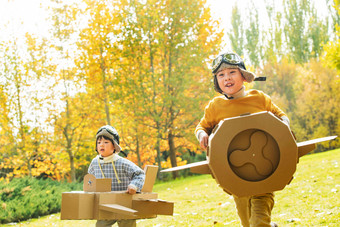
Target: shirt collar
[(241, 93), (110, 158)]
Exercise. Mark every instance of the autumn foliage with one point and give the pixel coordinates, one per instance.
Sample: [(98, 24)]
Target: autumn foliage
[(143, 67)]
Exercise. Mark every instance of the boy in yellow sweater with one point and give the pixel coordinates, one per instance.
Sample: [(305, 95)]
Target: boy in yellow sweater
[(229, 76)]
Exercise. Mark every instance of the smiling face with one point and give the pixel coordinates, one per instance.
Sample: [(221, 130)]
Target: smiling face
[(105, 147), (230, 80)]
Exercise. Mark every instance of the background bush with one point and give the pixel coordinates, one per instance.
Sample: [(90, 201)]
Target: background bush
[(25, 198)]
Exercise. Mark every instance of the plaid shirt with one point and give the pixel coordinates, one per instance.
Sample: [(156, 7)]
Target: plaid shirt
[(128, 173)]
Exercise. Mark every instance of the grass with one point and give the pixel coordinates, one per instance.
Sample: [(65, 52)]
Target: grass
[(311, 199)]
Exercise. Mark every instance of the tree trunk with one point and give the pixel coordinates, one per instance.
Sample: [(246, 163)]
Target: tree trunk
[(172, 151), (158, 149), (137, 151), (106, 101), (158, 125), (71, 155), (73, 171), (22, 133), (68, 138), (29, 167), (171, 142)]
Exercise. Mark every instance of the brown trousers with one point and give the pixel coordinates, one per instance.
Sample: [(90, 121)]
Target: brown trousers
[(255, 211)]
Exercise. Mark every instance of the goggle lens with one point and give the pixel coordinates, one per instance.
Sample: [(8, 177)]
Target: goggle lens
[(232, 58), (229, 58)]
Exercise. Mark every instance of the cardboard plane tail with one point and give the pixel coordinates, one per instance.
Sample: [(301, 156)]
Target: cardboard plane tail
[(150, 177)]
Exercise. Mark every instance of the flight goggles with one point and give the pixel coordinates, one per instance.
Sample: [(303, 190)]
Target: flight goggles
[(111, 131), (229, 58)]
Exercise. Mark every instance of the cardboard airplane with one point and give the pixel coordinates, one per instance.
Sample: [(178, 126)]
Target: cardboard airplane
[(252, 154), (98, 202)]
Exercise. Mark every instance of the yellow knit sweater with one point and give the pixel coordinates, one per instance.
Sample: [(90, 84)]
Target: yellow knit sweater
[(220, 108)]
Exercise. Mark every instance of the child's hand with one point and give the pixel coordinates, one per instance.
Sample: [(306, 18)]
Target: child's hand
[(131, 190), (204, 138), (285, 120)]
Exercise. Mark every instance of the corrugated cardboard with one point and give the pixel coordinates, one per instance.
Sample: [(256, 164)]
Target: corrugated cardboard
[(150, 177), (77, 205), (122, 199), (113, 205), (118, 209), (257, 153), (307, 146), (155, 206), (252, 154), (91, 184), (197, 167)]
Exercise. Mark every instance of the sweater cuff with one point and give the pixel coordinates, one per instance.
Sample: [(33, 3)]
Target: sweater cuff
[(198, 134), (133, 186)]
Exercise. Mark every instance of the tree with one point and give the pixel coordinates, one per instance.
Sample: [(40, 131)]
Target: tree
[(333, 8), (6, 137), (296, 13), (281, 78), (304, 32), (237, 35), (15, 86), (69, 124), (317, 103), (332, 48), (318, 34), (253, 45), (177, 40), (331, 59), (273, 44), (99, 54), (39, 67)]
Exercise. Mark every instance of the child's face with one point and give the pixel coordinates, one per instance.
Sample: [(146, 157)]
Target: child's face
[(105, 147), (230, 80)]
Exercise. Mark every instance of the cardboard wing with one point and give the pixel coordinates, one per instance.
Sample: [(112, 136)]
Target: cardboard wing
[(307, 146), (118, 209), (100, 203), (196, 167), (202, 167)]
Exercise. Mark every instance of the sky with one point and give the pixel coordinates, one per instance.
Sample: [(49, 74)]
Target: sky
[(22, 15), (28, 16)]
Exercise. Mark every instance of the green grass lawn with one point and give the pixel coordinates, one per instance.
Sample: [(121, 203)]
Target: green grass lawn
[(311, 199)]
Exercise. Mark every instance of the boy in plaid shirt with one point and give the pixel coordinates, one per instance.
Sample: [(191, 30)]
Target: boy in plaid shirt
[(125, 175)]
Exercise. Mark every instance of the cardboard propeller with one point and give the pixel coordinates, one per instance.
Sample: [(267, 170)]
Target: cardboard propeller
[(97, 201), (252, 154)]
